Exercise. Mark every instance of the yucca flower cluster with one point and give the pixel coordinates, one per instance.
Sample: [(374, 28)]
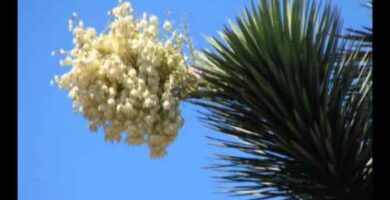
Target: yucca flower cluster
[(129, 79)]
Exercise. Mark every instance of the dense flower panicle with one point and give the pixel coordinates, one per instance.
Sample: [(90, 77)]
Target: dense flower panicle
[(129, 79)]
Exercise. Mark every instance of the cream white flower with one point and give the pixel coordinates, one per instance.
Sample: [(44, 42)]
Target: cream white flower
[(166, 105), (111, 102), (153, 20), (124, 79), (167, 26)]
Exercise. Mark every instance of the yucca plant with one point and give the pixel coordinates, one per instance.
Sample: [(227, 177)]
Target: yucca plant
[(297, 97)]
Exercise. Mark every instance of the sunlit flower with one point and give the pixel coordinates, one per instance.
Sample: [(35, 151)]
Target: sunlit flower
[(126, 78), (167, 26)]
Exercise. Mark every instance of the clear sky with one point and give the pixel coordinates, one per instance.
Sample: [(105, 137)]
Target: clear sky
[(59, 159)]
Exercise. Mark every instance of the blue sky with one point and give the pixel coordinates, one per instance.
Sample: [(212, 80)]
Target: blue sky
[(59, 159)]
